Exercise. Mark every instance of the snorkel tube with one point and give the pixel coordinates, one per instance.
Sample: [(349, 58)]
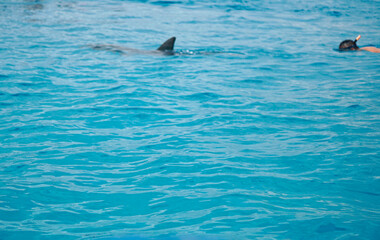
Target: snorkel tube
[(357, 39)]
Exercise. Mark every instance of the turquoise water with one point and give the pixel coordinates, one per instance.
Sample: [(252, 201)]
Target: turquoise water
[(260, 131)]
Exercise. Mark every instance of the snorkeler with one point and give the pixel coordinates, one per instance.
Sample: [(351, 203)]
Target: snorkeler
[(348, 45)]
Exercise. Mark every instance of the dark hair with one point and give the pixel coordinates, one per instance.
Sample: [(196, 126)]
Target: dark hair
[(348, 45)]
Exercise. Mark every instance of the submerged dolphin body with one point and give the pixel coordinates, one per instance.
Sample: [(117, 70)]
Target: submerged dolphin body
[(165, 49)]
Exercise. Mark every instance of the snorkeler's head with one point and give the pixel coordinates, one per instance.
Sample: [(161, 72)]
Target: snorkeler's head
[(349, 44)]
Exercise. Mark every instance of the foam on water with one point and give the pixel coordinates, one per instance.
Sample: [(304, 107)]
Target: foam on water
[(257, 129)]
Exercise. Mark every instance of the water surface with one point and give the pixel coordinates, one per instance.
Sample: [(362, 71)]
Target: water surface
[(272, 136)]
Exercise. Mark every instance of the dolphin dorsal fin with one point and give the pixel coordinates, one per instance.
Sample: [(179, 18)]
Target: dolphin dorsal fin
[(168, 45)]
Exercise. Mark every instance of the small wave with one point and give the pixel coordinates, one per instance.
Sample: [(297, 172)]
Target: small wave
[(3, 76), (206, 96), (166, 3), (252, 81), (354, 106)]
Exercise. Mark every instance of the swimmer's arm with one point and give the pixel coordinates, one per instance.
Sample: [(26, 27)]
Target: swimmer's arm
[(371, 49)]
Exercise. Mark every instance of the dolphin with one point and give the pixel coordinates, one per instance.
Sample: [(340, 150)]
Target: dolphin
[(167, 48)]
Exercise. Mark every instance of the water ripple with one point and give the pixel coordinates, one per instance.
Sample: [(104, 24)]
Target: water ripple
[(254, 130)]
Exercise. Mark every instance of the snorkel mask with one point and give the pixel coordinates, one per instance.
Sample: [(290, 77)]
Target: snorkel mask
[(349, 44)]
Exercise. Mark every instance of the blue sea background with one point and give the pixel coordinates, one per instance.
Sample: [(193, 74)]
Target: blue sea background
[(262, 130)]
